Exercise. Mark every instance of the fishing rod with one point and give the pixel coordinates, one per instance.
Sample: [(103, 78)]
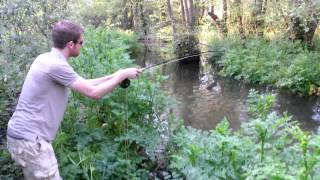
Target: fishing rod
[(126, 83)]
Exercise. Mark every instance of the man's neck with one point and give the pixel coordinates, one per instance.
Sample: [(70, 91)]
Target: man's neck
[(65, 52)]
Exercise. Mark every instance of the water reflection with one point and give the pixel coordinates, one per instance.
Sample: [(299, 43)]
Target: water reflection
[(301, 109), (184, 80), (203, 99), (316, 112)]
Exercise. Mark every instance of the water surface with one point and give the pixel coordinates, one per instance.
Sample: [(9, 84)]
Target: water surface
[(203, 98)]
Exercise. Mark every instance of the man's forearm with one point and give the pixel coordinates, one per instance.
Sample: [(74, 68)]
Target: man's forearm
[(107, 86), (96, 88), (98, 91), (100, 80)]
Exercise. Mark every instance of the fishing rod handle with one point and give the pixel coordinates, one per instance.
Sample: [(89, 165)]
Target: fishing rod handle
[(125, 83)]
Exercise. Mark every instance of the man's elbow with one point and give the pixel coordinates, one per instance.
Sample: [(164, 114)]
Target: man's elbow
[(94, 96), (82, 86)]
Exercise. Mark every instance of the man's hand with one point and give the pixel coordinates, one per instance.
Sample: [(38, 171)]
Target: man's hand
[(129, 73), (105, 85)]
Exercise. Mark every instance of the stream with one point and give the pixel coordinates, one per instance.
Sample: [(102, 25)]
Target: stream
[(203, 98)]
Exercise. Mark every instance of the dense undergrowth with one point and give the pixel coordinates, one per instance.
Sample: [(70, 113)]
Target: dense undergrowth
[(113, 138), (278, 62), (116, 137), (119, 136), (268, 146)]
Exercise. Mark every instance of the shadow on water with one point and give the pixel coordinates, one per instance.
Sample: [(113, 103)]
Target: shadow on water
[(203, 98), (185, 78), (304, 109)]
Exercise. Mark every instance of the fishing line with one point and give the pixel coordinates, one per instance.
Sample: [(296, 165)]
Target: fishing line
[(126, 143), (126, 122), (126, 83), (182, 58)]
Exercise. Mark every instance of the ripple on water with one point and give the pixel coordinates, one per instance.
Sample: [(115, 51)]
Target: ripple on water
[(316, 112)]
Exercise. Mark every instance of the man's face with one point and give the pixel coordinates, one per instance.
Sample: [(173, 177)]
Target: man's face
[(75, 49)]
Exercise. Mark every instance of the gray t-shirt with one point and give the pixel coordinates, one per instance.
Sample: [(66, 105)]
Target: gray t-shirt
[(43, 98)]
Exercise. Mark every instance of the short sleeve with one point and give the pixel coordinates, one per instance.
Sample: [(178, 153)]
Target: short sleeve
[(63, 74)]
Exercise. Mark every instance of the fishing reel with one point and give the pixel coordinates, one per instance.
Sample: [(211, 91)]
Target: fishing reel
[(125, 83)]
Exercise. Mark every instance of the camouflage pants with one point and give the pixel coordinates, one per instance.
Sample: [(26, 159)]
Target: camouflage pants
[(36, 158)]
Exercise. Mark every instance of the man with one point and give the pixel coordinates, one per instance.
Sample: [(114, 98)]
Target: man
[(43, 100)]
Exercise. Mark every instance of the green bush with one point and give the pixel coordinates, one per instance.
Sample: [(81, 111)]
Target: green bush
[(282, 63)]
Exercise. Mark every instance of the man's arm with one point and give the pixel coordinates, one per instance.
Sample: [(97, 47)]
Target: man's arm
[(105, 86), (97, 81)]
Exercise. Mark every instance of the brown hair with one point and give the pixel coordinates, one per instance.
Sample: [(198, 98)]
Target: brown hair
[(65, 31)]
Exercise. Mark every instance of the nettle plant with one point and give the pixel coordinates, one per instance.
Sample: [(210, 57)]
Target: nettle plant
[(268, 146)]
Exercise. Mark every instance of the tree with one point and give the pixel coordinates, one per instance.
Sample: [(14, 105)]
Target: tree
[(172, 19), (183, 13), (237, 7), (304, 20), (27, 26), (187, 7), (225, 15), (215, 21), (257, 17)]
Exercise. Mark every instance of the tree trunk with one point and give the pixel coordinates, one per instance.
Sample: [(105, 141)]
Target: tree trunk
[(125, 20), (264, 9), (131, 17), (201, 13), (238, 5), (196, 13), (186, 13), (135, 18), (303, 28), (258, 17), (184, 22), (225, 15), (191, 14), (143, 20), (172, 19), (215, 21)]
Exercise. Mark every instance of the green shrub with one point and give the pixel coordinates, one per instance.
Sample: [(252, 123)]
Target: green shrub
[(282, 63)]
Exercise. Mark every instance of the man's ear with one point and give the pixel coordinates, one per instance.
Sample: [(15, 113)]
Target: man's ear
[(70, 44)]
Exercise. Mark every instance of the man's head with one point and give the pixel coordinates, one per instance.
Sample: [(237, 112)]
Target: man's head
[(66, 34)]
